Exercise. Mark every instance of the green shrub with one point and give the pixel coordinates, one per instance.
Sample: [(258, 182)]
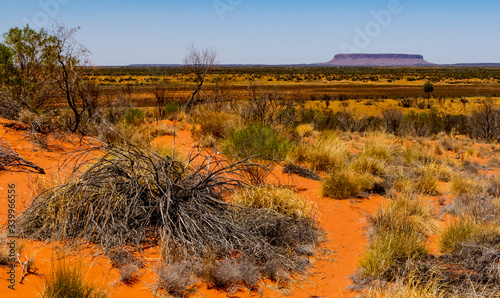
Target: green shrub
[(171, 107), (134, 117), (256, 140)]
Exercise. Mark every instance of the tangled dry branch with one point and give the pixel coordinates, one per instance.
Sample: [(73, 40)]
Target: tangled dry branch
[(10, 160)]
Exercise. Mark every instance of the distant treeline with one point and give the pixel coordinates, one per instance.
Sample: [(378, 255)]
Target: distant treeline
[(333, 73)]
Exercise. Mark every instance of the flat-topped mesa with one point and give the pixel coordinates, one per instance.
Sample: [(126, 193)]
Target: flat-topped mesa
[(378, 60)]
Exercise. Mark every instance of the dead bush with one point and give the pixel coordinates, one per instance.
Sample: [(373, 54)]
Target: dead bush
[(175, 279), (132, 197)]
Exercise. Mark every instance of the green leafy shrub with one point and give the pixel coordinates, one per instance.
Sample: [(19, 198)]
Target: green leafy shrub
[(134, 117), (171, 107), (256, 140)]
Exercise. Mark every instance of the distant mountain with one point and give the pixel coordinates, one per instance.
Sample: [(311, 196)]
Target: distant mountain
[(378, 60)]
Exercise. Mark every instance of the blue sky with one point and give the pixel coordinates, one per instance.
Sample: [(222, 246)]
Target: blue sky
[(120, 32)]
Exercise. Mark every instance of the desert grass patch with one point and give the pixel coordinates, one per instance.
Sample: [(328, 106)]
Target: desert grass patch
[(398, 233), (134, 117), (327, 153), (463, 185), (369, 165), (414, 285), (343, 185), (493, 186), (461, 231), (214, 126), (282, 200), (304, 130), (426, 181), (378, 146), (68, 281)]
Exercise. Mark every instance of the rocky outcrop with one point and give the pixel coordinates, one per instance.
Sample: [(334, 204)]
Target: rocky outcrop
[(378, 60)]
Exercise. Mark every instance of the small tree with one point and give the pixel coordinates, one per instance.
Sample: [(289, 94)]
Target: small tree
[(160, 100), (200, 63), (428, 88), (30, 80)]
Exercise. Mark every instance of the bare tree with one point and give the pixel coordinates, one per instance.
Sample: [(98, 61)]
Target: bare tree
[(485, 122), (160, 100), (199, 62), (72, 58)]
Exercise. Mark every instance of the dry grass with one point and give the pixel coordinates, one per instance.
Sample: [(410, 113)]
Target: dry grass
[(460, 185), (69, 282), (412, 286), (175, 279), (291, 168), (343, 185), (304, 130), (398, 233), (282, 200), (328, 153)]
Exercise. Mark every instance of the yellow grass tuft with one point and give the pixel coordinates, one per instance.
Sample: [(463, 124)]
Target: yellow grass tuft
[(279, 199)]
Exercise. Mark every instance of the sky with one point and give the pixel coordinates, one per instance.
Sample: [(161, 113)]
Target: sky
[(122, 32)]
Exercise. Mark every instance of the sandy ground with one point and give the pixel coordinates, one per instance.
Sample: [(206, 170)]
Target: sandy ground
[(343, 222)]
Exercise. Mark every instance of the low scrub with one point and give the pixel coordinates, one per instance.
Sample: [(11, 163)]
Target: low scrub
[(460, 185), (214, 125), (256, 141), (134, 117)]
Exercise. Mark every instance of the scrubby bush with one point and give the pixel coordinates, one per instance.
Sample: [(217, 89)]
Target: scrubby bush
[(134, 117), (485, 122), (174, 279), (393, 120), (171, 108), (256, 141)]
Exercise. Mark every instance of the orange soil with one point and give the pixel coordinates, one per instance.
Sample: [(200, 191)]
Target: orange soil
[(343, 222)]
